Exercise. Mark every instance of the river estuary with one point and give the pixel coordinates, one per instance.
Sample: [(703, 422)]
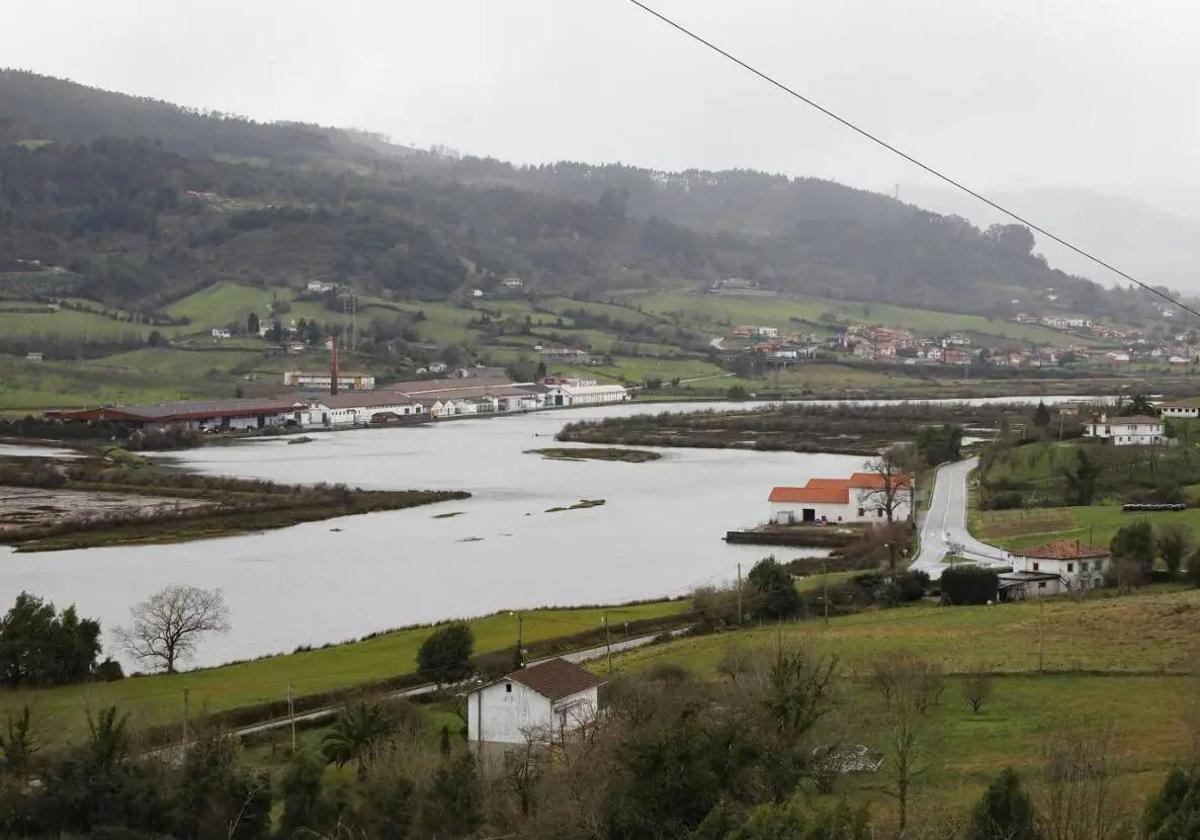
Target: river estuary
[(659, 533)]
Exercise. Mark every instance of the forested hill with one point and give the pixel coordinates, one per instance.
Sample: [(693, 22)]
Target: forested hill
[(144, 201)]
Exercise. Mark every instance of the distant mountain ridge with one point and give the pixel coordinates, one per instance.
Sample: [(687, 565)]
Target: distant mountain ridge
[(113, 187), (1157, 246)]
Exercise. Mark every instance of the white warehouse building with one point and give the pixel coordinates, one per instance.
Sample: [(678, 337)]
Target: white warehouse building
[(565, 392), (355, 408)]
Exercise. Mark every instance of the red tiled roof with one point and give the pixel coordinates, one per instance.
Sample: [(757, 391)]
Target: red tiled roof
[(819, 495), (1063, 550), (556, 678), (828, 482)]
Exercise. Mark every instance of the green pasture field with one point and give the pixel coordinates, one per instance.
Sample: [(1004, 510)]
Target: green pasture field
[(157, 700)]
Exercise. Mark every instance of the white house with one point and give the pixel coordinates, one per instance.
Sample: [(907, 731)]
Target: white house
[(1138, 430), (542, 703), (859, 498), (221, 332), (1178, 410), (1056, 567), (320, 287)]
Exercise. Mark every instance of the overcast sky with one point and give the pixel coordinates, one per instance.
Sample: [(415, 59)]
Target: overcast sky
[(1005, 95)]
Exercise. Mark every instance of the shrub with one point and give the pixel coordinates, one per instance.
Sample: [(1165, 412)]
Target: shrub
[(109, 671), (1005, 500), (964, 585)]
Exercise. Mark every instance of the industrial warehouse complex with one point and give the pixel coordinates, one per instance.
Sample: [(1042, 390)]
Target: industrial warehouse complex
[(400, 402)]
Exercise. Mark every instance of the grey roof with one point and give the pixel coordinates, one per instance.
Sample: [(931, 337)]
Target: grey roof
[(178, 408)]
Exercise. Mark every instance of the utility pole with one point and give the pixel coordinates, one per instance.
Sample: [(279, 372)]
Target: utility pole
[(825, 586), (519, 659), (292, 716), (186, 701), (1041, 634), (739, 594), (607, 641)]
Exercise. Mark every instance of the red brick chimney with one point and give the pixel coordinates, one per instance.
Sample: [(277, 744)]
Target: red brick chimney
[(333, 373)]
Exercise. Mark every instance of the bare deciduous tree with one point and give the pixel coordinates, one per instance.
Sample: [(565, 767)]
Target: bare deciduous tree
[(977, 688), (907, 681), (167, 626), (1080, 798), (909, 685), (906, 756), (895, 485)]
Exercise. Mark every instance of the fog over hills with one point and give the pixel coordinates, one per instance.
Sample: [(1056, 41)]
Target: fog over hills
[(1155, 245)]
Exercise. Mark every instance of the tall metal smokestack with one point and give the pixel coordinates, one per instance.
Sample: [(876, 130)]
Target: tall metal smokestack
[(333, 374)]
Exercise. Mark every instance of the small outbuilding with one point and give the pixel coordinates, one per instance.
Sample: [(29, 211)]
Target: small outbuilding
[(542, 703)]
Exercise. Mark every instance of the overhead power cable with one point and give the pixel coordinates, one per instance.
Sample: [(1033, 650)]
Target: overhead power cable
[(914, 161)]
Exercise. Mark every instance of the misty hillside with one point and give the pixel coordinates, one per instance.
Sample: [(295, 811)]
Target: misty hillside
[(1155, 245), (143, 202)]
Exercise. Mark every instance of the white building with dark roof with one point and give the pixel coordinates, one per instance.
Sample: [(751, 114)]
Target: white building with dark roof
[(542, 703)]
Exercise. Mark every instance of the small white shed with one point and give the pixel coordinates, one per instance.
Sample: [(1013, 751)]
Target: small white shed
[(541, 703)]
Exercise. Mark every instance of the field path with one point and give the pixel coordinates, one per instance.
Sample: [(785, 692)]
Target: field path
[(945, 524)]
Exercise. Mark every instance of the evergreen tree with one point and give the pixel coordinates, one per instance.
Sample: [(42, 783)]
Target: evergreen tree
[(453, 804), (774, 591), (446, 655), (1004, 812), (1041, 415), (1174, 813)]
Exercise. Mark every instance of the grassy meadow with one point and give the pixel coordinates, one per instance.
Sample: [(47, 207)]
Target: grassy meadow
[(1120, 668), (809, 314), (157, 700)]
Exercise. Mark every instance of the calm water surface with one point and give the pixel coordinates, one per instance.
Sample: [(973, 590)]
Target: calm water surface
[(659, 533)]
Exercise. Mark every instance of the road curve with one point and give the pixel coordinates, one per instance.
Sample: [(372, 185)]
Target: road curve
[(945, 524)]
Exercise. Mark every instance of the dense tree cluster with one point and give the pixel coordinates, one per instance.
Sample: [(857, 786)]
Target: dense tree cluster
[(42, 646)]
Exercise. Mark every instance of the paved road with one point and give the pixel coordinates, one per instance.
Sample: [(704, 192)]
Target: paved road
[(945, 524)]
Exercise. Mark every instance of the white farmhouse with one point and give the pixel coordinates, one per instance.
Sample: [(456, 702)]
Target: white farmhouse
[(1178, 410), (859, 498), (542, 703), (1137, 430), (1056, 567)]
